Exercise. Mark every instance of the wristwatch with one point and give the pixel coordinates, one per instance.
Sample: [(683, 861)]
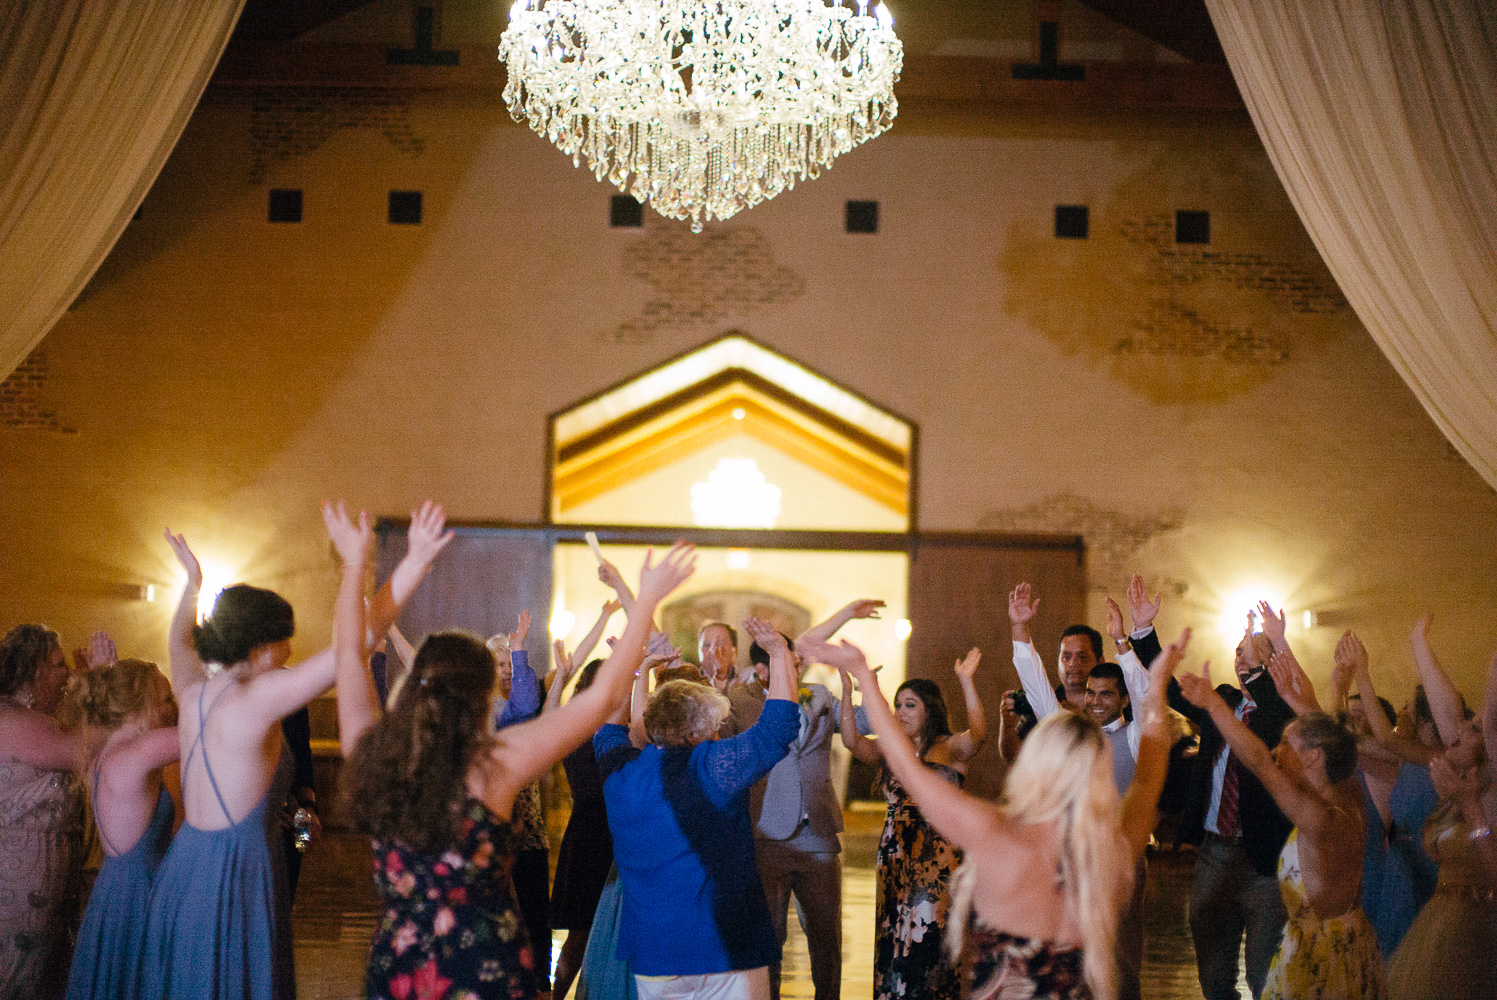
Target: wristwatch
[(1122, 644)]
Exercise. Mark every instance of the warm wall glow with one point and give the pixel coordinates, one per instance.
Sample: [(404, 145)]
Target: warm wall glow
[(735, 495)]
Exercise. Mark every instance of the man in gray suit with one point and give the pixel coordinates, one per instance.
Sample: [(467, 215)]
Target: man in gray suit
[(797, 815)]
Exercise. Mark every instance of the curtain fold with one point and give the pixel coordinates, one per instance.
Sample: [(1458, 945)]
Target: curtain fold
[(1381, 121), (93, 96)]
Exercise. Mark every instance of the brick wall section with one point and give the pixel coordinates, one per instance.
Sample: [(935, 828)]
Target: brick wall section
[(23, 398)]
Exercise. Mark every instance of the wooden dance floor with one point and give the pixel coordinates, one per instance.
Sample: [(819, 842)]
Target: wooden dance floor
[(336, 907)]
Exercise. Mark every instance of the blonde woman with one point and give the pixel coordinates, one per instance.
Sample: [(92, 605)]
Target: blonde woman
[(1049, 867), (130, 718)]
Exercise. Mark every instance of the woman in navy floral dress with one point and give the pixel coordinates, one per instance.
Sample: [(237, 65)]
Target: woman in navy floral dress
[(435, 787)]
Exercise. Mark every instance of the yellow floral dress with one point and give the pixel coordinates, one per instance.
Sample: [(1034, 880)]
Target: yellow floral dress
[(1335, 959)]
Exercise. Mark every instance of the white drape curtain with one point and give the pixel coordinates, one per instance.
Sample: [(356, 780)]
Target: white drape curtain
[(93, 96), (1381, 120)]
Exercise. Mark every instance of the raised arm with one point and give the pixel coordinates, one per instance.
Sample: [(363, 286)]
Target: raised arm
[(1031, 669), (595, 634), (1135, 674), (566, 666), (525, 751), (425, 539), (1465, 788), (358, 703), (964, 745), (34, 738), (524, 688), (957, 816), (609, 574), (823, 632), (858, 745), (1292, 683), (182, 659), (1444, 698), (1351, 658), (404, 655), (1140, 607), (1009, 743), (1156, 735), (1302, 806)]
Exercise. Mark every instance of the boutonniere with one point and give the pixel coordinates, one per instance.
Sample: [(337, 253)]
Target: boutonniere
[(804, 696)]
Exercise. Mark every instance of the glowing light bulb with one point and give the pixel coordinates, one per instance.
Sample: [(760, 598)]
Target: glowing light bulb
[(562, 622), (902, 629), (738, 559)]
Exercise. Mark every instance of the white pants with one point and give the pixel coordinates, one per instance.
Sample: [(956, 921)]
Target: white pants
[(749, 984)]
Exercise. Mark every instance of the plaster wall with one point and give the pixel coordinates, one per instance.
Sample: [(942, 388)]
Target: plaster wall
[(1212, 416)]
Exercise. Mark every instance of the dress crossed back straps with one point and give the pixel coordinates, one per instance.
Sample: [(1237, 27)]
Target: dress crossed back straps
[(198, 741)]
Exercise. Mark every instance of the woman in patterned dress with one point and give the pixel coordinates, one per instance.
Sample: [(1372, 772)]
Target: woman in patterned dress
[(914, 861), (1329, 948), (41, 818), (435, 790)]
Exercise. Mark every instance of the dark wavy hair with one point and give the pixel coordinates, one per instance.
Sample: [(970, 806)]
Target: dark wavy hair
[(22, 652), (936, 722), (243, 617), (407, 778)]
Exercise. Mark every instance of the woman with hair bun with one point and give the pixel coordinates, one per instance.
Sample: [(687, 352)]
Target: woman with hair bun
[(219, 921), (1049, 867), (915, 863), (129, 717), (434, 787), (41, 817)]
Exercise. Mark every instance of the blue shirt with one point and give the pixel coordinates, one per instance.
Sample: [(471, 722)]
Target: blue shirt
[(684, 844), (524, 692)]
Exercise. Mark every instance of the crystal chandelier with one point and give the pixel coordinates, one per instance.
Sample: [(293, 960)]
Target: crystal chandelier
[(702, 109)]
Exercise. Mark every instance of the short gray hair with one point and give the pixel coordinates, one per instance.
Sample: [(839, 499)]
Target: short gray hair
[(684, 713)]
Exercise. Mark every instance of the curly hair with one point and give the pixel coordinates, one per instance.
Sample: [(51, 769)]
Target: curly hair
[(937, 724), (243, 617), (407, 778), (684, 713), (23, 651), (107, 696)]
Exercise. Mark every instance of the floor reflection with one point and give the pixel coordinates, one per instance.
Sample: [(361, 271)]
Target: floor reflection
[(336, 907)]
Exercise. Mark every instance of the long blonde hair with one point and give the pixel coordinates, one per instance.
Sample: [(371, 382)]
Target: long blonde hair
[(1063, 775)]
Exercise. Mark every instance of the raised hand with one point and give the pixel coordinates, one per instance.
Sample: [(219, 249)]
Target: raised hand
[(770, 640), (1292, 682), (426, 537), (1450, 783), (1007, 708), (1115, 621), (1273, 625), (353, 541), (659, 644), (1020, 608), (609, 575), (1421, 628), (565, 664), (863, 608), (674, 569), (101, 650), (1197, 687), (966, 668), (612, 606), (187, 559), (517, 637), (843, 656), (1143, 610)]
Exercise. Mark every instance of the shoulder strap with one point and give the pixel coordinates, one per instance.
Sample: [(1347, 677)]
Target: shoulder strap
[(94, 803), (200, 741)]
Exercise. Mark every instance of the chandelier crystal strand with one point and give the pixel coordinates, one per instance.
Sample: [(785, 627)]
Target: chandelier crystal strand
[(702, 109)]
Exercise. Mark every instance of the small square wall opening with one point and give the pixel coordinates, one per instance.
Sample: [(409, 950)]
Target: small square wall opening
[(405, 208), (625, 213), (285, 204), (862, 217), (1071, 222), (1192, 227)]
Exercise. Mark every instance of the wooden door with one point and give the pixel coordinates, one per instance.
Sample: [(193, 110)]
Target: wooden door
[(958, 598)]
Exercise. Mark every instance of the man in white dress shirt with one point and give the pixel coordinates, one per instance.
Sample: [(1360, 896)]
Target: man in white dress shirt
[(1104, 693)]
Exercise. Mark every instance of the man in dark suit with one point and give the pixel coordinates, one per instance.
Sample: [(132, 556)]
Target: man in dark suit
[(1238, 827)]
